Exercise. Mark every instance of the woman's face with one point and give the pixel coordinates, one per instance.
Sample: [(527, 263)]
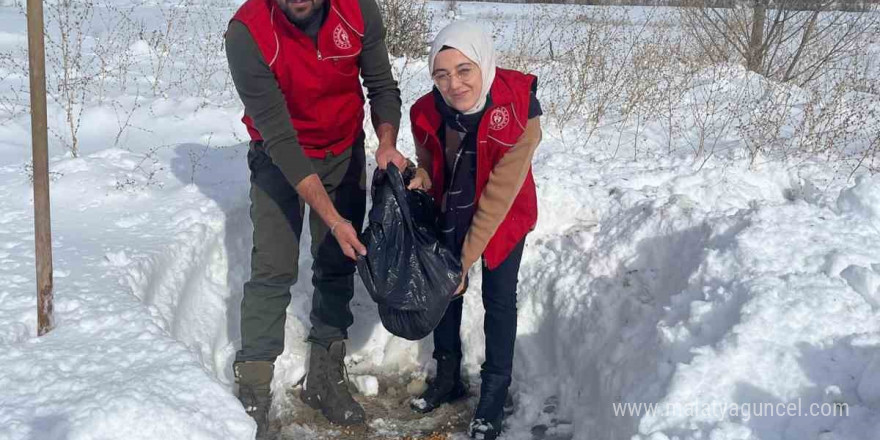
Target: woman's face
[(458, 78)]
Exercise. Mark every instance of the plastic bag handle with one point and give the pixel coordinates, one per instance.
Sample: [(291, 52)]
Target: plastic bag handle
[(398, 188)]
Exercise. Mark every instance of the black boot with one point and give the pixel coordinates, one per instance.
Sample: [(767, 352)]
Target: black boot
[(446, 387), (253, 379), (490, 411), (326, 386)]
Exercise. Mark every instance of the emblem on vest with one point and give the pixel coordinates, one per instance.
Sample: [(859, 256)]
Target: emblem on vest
[(499, 118), (340, 37)]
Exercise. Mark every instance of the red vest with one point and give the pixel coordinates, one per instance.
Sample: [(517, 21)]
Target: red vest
[(321, 84), (500, 128)]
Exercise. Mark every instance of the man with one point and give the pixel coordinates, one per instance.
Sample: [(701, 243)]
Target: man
[(296, 65)]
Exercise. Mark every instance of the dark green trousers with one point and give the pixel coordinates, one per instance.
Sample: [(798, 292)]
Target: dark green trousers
[(277, 214)]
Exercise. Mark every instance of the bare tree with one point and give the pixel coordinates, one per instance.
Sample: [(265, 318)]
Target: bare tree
[(407, 26), (787, 40), (71, 73)]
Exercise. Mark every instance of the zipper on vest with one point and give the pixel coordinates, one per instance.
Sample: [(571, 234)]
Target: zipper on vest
[(319, 54), (443, 204)]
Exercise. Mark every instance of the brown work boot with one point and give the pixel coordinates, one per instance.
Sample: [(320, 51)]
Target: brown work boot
[(253, 379), (326, 386)]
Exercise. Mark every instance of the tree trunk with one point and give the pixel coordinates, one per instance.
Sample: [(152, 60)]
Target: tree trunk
[(756, 39)]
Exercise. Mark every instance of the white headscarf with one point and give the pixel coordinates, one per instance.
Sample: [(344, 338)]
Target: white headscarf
[(472, 41)]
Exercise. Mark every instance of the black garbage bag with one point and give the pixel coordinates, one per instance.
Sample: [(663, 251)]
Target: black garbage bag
[(409, 274)]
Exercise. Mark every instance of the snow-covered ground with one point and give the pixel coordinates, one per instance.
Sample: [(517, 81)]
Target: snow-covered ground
[(711, 288)]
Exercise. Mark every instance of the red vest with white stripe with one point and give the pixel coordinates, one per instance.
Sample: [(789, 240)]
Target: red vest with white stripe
[(501, 126), (320, 83)]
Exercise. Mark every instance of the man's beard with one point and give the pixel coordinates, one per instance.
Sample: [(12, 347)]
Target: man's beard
[(306, 18)]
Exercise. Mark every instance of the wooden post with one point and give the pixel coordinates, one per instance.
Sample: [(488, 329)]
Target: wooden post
[(40, 145)]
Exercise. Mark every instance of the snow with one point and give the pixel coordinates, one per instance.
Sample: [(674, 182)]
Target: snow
[(367, 385), (861, 200), (419, 403), (115, 366), (651, 278)]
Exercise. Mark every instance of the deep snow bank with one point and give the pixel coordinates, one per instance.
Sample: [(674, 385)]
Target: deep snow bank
[(687, 295), (114, 367)]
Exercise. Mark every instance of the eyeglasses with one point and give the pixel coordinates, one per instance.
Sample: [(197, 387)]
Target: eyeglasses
[(464, 74)]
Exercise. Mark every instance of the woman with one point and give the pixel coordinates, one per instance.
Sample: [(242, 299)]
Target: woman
[(475, 135)]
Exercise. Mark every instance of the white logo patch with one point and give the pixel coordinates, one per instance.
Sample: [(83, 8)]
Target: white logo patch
[(499, 118), (340, 37)]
